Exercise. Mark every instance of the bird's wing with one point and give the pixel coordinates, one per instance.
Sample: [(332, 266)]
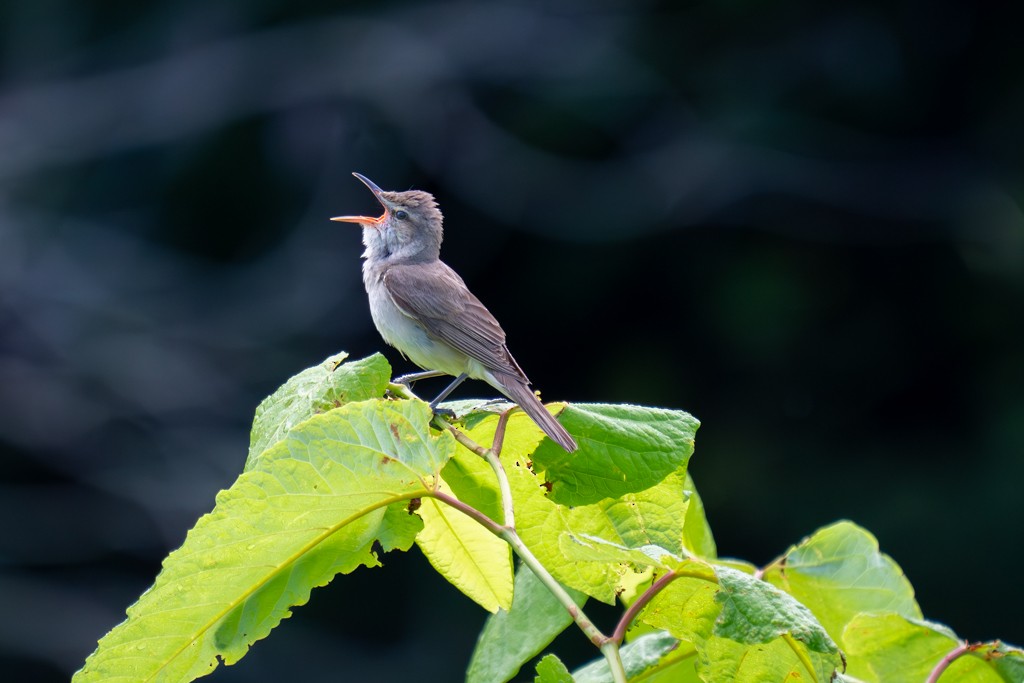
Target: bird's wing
[(437, 297)]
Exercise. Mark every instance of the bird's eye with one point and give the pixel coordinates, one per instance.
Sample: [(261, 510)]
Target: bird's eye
[(401, 215)]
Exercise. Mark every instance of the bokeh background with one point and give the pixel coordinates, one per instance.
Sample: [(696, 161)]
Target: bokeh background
[(799, 221)]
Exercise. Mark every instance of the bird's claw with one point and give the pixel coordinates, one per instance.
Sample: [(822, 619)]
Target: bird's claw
[(444, 412)]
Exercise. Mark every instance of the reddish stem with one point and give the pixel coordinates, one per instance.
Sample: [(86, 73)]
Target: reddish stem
[(470, 511), (951, 656), (640, 603)]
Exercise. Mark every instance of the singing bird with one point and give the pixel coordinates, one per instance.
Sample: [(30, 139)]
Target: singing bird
[(422, 307)]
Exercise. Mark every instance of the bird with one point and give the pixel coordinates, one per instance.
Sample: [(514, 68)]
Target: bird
[(424, 309)]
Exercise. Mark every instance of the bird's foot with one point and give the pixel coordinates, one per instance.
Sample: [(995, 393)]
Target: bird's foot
[(444, 412)]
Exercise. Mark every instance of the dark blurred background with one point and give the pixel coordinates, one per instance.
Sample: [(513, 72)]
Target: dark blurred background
[(799, 221)]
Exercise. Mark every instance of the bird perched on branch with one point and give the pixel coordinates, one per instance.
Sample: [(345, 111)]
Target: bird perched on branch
[(422, 307)]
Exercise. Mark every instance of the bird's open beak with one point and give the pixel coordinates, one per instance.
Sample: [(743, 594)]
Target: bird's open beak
[(366, 220)]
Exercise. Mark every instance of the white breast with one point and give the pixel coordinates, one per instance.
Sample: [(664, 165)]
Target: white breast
[(408, 336)]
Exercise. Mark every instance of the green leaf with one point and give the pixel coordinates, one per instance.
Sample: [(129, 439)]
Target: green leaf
[(722, 659), (678, 665), (743, 629), (541, 523), (686, 607), (623, 449), (697, 536), (838, 573), (469, 556), (643, 654), (1007, 660), (892, 648), (754, 611), (399, 527), (584, 548), (312, 507), (551, 670), (474, 483), (318, 389), (658, 518), (511, 638)]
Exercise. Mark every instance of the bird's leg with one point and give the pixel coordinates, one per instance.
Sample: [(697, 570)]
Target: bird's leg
[(444, 394), (417, 376)]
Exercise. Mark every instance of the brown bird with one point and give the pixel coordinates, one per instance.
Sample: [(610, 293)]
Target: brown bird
[(424, 309)]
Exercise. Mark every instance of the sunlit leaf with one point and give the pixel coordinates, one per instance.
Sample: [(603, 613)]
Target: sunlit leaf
[(318, 389), (469, 556), (311, 508), (511, 638), (884, 648), (838, 573), (623, 449), (551, 670)]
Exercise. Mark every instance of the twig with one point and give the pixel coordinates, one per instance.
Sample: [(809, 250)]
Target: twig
[(951, 656), (659, 585), (640, 603), (469, 511)]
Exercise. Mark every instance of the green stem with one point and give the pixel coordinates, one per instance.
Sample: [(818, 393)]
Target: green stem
[(610, 650), (491, 456)]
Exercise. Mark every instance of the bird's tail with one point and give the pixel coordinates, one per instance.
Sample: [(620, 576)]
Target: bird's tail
[(527, 400)]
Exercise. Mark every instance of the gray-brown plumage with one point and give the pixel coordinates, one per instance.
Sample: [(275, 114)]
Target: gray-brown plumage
[(424, 309)]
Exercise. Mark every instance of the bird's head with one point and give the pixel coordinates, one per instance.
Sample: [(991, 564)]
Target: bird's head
[(409, 229)]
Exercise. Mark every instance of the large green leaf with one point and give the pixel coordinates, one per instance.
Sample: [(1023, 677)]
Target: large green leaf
[(318, 389), (623, 449), (890, 648), (312, 507), (511, 638), (839, 572)]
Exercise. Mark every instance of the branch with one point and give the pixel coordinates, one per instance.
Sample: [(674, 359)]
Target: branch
[(469, 511), (491, 456), (951, 656), (648, 595), (640, 603)]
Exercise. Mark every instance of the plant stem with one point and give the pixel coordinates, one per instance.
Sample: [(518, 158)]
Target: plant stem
[(610, 650), (469, 511), (491, 456), (655, 588), (951, 656), (640, 603)]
